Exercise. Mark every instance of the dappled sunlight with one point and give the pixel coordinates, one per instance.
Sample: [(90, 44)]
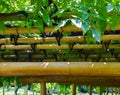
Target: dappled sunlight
[(45, 64), (68, 63), (71, 42), (92, 65), (105, 63), (4, 64)]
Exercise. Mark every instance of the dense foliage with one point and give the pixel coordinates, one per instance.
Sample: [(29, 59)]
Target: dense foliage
[(92, 16)]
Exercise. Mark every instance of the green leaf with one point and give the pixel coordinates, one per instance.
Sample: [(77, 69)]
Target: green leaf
[(89, 37), (109, 7), (29, 25), (96, 35), (102, 25), (39, 4), (61, 24), (85, 15), (77, 22), (85, 27), (45, 18), (39, 24), (32, 2), (45, 2), (59, 12), (2, 26)]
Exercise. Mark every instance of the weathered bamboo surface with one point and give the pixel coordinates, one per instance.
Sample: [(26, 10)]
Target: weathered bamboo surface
[(55, 46), (53, 39), (60, 69), (80, 80), (23, 30)]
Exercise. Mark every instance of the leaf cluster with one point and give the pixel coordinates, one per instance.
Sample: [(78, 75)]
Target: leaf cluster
[(92, 16)]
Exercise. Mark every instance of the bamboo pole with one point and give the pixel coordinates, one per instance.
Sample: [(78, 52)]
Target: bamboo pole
[(60, 68), (22, 15), (16, 16), (42, 88), (106, 90), (82, 80), (23, 30), (112, 91), (53, 39), (119, 91), (26, 89), (3, 87), (46, 40), (90, 90), (53, 60), (55, 46), (101, 89), (74, 89)]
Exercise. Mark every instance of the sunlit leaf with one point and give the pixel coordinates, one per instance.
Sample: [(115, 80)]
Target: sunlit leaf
[(61, 24), (85, 27), (85, 15), (59, 12), (109, 7), (77, 22), (45, 18), (96, 35)]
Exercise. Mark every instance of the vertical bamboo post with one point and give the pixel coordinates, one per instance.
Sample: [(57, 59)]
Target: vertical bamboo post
[(118, 91), (112, 92), (106, 90), (90, 90), (15, 88), (42, 88), (26, 89), (100, 93), (3, 87), (33, 92), (73, 89)]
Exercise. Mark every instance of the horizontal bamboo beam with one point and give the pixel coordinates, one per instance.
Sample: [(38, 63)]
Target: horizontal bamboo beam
[(36, 56), (54, 46), (22, 15), (23, 30), (53, 60), (53, 39), (60, 69), (81, 80), (16, 16), (45, 40)]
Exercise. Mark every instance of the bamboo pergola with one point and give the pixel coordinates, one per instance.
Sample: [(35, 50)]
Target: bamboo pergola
[(41, 59)]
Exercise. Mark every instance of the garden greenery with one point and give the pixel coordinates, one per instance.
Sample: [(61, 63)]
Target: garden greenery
[(92, 16)]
